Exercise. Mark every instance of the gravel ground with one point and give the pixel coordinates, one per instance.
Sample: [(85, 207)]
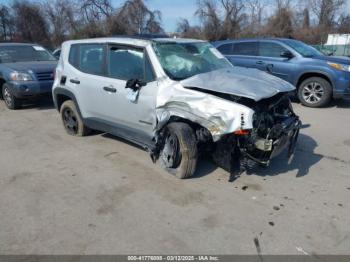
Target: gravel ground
[(100, 195)]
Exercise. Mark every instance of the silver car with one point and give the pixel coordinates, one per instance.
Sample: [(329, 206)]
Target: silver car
[(176, 98)]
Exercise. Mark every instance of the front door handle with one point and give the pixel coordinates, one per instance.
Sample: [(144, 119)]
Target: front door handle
[(260, 62), (75, 81), (110, 89)]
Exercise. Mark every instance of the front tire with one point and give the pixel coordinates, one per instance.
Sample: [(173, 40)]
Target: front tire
[(10, 100), (315, 92), (179, 154), (71, 119)]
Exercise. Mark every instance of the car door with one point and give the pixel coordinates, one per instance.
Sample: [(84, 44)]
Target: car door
[(86, 79), (244, 54), (132, 110), (271, 61)]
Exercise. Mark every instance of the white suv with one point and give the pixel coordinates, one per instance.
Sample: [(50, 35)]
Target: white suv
[(176, 98)]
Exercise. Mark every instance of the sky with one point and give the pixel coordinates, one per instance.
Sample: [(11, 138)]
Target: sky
[(173, 10)]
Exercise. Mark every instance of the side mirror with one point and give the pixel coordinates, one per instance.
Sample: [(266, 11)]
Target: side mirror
[(287, 54), (135, 84)]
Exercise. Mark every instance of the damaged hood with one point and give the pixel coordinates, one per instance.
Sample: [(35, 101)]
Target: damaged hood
[(239, 81)]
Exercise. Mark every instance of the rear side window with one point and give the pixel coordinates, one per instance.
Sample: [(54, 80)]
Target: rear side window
[(92, 58), (270, 49), (128, 63), (74, 56), (246, 48), (226, 49), (88, 58)]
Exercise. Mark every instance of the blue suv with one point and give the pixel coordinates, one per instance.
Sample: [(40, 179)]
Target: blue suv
[(26, 72), (318, 78)]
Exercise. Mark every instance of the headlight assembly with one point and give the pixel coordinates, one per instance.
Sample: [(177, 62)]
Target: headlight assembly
[(340, 67), (21, 76)]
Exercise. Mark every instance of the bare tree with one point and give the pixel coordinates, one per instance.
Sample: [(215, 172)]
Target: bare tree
[(283, 4), (96, 10), (6, 23), (184, 29), (255, 15), (326, 11), (30, 22), (234, 15), (306, 18), (138, 19), (280, 24), (60, 15), (344, 24), (208, 13)]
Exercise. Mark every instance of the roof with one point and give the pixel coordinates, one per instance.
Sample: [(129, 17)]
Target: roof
[(16, 44), (216, 43), (134, 40)]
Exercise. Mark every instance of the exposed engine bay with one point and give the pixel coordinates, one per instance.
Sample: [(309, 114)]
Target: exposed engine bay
[(275, 127)]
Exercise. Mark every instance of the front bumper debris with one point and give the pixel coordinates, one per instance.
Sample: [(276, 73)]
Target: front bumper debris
[(237, 154), (262, 150)]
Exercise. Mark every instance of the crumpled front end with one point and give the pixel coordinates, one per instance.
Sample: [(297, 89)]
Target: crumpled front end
[(218, 115), (275, 128), (234, 128)]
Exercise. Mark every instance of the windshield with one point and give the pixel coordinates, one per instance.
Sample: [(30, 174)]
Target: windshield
[(24, 53), (303, 49), (183, 60)]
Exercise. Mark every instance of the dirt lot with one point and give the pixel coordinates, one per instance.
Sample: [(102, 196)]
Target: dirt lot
[(99, 195)]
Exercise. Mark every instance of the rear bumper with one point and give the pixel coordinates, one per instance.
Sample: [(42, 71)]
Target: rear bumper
[(30, 89)]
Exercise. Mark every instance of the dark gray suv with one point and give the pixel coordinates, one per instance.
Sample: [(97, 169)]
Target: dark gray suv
[(26, 72), (318, 78)]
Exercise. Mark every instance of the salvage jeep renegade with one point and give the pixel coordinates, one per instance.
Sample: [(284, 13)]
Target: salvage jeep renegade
[(176, 98)]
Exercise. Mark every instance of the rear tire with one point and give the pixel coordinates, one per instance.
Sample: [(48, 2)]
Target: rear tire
[(10, 100), (315, 92), (72, 121), (179, 154)]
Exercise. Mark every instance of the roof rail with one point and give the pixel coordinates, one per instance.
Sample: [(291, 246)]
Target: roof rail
[(144, 36)]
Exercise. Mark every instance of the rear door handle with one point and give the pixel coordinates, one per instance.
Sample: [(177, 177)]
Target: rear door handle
[(269, 68), (75, 81), (110, 89), (260, 62)]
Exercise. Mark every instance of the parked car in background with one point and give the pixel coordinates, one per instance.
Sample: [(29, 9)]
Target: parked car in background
[(318, 78), (26, 72), (56, 53), (176, 98)]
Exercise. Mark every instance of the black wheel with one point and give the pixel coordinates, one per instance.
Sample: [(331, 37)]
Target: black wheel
[(179, 153), (315, 92), (71, 120), (10, 100)]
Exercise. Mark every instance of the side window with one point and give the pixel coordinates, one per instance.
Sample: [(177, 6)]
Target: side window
[(74, 56), (270, 49), (246, 48), (128, 63), (88, 58), (226, 49), (91, 58)]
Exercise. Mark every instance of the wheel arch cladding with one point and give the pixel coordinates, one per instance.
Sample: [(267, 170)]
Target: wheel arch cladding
[(2, 81), (60, 99), (305, 76), (197, 128), (61, 95)]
